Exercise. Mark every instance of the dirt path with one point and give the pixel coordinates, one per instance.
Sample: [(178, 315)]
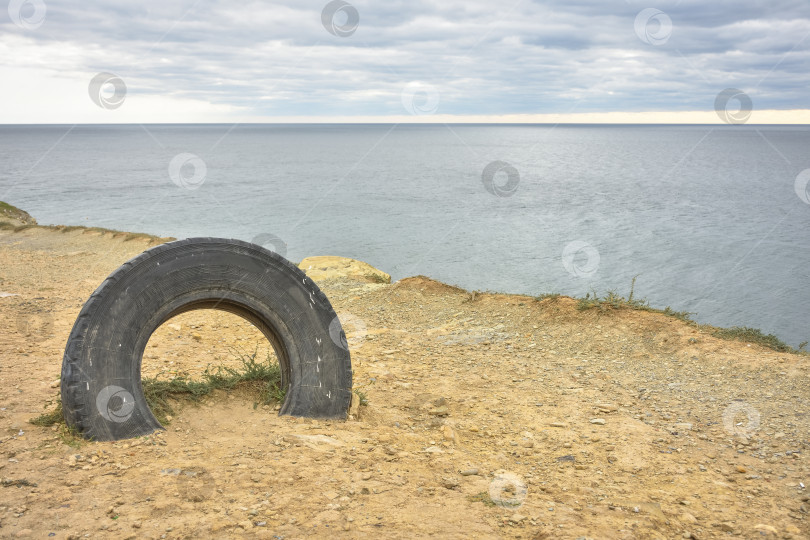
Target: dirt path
[(500, 416)]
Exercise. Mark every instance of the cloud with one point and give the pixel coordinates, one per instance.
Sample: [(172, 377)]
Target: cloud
[(264, 60)]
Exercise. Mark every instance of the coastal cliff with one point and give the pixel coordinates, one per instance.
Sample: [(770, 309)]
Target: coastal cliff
[(477, 415)]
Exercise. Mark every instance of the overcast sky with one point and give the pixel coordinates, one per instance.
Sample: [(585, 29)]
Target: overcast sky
[(257, 61)]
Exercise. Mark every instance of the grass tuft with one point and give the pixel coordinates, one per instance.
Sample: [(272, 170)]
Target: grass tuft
[(361, 396), (48, 419), (615, 301), (262, 378), (753, 335), (482, 497)]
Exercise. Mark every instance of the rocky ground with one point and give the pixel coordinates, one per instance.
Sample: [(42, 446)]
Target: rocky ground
[(487, 416)]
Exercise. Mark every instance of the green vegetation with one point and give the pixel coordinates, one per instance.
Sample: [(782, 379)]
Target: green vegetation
[(482, 497), (738, 333), (361, 396), (48, 419), (261, 378), (13, 212), (753, 335), (376, 278), (614, 301)]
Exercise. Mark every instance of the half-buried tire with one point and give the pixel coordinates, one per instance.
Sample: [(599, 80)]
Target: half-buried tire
[(102, 397)]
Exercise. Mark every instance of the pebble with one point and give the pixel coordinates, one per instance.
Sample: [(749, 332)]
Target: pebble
[(470, 472), (449, 482), (439, 411), (686, 517), (557, 424), (598, 421)]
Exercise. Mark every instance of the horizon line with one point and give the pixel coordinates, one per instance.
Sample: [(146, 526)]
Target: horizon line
[(138, 115)]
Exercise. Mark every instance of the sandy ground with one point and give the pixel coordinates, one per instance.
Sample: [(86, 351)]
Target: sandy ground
[(493, 416)]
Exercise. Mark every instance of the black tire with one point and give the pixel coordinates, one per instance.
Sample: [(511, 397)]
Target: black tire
[(102, 396)]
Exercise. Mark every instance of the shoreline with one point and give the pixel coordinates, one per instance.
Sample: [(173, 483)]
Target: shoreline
[(17, 220)]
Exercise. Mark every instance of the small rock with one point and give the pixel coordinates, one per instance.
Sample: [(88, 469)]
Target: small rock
[(686, 517), (741, 469), (557, 424), (439, 411), (469, 472), (449, 482), (517, 518), (768, 528), (449, 434), (598, 421)]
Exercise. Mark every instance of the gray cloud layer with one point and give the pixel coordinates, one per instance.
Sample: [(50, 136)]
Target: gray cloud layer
[(480, 57)]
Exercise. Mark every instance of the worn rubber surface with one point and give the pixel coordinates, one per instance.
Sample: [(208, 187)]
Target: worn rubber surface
[(102, 397)]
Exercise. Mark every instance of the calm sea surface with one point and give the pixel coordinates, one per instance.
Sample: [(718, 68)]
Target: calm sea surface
[(709, 217)]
